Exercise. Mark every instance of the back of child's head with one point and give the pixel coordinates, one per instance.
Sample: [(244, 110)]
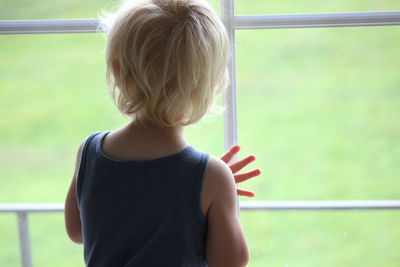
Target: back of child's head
[(166, 60)]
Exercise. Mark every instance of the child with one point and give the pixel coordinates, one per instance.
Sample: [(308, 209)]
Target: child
[(141, 195)]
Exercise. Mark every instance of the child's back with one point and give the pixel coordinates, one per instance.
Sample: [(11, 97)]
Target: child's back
[(149, 204), (141, 213), (145, 196)]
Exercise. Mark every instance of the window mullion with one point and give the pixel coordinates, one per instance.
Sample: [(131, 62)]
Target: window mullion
[(230, 116)]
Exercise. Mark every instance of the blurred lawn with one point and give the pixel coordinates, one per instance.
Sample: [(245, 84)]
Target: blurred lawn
[(320, 109)]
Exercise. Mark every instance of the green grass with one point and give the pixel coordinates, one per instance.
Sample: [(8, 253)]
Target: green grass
[(318, 107)]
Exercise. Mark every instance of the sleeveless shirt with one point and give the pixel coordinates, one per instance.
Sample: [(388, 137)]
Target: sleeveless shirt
[(141, 213)]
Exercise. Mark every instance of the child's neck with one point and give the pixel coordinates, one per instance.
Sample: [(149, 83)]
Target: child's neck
[(172, 135)]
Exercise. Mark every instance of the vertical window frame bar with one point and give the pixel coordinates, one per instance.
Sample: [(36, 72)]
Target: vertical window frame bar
[(230, 116), (230, 103)]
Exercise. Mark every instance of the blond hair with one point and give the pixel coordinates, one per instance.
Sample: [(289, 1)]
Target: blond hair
[(166, 60)]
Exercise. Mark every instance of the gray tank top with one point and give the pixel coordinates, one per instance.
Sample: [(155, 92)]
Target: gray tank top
[(141, 213)]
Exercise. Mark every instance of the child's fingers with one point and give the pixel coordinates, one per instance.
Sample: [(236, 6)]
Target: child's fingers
[(243, 192), (245, 176), (230, 154), (241, 164)]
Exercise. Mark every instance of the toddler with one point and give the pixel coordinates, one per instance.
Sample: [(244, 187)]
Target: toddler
[(141, 195)]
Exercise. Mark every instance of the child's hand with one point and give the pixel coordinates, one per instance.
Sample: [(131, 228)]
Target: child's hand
[(235, 167)]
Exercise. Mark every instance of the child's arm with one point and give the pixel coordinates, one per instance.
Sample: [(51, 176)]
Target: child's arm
[(71, 211), (226, 244)]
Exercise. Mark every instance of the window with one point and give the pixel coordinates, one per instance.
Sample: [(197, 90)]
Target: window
[(317, 106)]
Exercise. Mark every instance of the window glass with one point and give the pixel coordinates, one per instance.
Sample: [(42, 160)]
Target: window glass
[(322, 238), (61, 9), (320, 110), (55, 9)]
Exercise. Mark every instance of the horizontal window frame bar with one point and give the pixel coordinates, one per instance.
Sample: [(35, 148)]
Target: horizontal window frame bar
[(321, 20), (31, 207), (244, 205), (22, 210), (48, 26), (321, 205), (284, 21)]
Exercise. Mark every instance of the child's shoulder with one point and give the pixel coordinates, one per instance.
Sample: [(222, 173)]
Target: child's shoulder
[(217, 167), (218, 176)]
